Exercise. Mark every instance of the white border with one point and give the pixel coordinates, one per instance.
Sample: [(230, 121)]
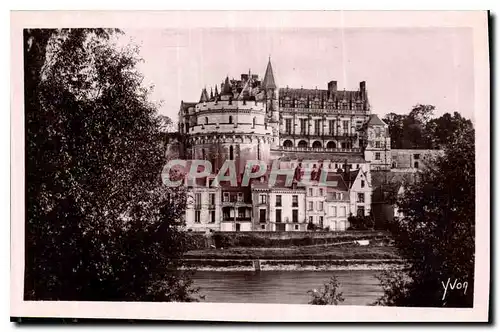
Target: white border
[(251, 312)]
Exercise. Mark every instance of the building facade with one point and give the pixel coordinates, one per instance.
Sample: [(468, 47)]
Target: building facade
[(329, 133)]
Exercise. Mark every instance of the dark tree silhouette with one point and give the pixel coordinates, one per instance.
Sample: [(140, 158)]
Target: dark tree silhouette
[(99, 223), (436, 233)]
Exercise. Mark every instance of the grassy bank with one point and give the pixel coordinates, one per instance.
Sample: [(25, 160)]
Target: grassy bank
[(282, 239), (324, 252)]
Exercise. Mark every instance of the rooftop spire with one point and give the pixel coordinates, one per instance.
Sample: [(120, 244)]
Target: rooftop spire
[(268, 82), (226, 90), (216, 91), (204, 96)]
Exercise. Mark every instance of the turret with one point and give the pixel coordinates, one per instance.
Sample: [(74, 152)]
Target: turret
[(204, 96), (271, 98)]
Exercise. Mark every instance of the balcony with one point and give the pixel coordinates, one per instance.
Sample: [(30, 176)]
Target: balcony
[(309, 149), (232, 219)]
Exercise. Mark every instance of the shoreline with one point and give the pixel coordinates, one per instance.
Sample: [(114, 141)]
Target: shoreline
[(293, 265)]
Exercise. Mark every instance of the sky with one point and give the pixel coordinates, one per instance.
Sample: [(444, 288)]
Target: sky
[(402, 67)]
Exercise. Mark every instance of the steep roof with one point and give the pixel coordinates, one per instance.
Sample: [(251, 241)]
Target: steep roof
[(336, 177), (204, 96), (268, 82), (339, 95), (226, 89), (350, 177), (375, 121)]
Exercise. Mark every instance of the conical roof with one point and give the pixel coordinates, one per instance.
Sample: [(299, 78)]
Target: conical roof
[(268, 82), (226, 90), (204, 96)]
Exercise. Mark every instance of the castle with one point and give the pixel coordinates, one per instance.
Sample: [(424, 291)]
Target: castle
[(328, 131)]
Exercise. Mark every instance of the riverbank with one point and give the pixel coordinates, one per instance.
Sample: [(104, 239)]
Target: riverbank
[(303, 258), (313, 252), (291, 265)]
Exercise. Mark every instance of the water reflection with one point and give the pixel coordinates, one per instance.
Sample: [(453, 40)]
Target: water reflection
[(358, 287)]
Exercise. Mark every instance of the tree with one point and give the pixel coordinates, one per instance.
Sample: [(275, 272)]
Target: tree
[(436, 234), (408, 131), (328, 295), (442, 129), (99, 223)]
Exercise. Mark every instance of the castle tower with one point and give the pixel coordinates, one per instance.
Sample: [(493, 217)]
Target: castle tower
[(378, 147), (271, 99)]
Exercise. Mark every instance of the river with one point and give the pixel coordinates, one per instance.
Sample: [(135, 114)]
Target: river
[(359, 287)]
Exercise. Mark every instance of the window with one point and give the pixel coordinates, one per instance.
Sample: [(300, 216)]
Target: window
[(197, 216), (317, 124), (331, 126), (345, 125), (361, 197), (377, 144), (254, 122), (310, 206), (321, 220), (226, 197), (296, 227), (361, 211), (262, 199), (278, 215), (197, 200), (262, 226), (310, 191), (415, 164), (238, 227), (416, 156), (288, 126), (231, 153), (311, 219), (230, 119), (241, 213), (321, 191), (212, 217), (295, 201), (320, 206), (377, 155), (206, 120), (262, 215), (212, 199), (295, 215), (303, 126), (278, 200), (334, 211), (240, 197), (362, 183), (203, 154)]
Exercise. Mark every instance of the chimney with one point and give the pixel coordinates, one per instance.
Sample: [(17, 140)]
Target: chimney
[(362, 88), (332, 86), (347, 173)]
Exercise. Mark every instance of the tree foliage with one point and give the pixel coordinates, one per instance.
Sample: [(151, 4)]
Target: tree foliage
[(419, 130), (328, 295), (436, 234), (99, 223), (361, 222)]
